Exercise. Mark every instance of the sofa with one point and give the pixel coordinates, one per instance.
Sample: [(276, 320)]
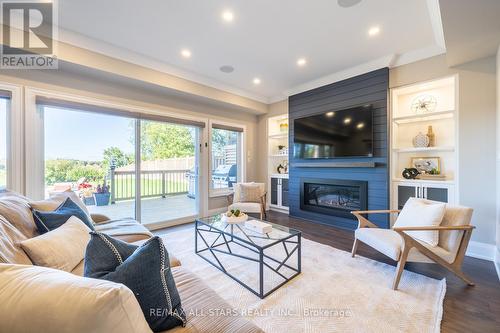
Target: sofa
[(24, 287)]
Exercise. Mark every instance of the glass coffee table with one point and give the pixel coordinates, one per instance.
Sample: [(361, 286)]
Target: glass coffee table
[(261, 263)]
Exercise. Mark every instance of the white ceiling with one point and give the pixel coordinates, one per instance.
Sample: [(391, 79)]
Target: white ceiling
[(265, 39)]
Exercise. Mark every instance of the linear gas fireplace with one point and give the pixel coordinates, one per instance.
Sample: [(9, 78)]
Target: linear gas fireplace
[(336, 197)]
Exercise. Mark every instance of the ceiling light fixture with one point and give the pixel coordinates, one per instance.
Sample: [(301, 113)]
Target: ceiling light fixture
[(330, 114), (186, 53), (374, 31), (348, 3), (360, 125), (347, 120), (228, 16), (226, 69), (256, 81), (301, 62)]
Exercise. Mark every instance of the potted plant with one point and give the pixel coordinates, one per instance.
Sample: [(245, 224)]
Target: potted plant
[(102, 195), (86, 193)]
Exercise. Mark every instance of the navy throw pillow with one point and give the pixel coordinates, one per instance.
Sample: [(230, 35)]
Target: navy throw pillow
[(143, 269), (47, 221)]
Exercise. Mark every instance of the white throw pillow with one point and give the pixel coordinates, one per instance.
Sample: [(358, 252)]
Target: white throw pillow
[(39, 299), (62, 248), (420, 213), (56, 199)]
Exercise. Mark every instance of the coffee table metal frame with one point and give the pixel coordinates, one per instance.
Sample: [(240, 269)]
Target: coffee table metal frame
[(228, 238)]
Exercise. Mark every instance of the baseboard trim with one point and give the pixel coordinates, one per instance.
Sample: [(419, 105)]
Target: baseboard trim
[(497, 262), (481, 250)]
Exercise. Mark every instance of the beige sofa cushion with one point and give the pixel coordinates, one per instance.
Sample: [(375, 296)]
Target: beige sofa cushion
[(127, 230), (201, 303), (17, 211), (39, 299), (62, 248), (56, 199), (10, 248)]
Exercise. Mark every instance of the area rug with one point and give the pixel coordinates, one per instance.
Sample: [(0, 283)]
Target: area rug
[(334, 292)]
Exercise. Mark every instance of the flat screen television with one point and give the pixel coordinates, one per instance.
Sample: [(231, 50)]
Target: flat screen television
[(335, 134)]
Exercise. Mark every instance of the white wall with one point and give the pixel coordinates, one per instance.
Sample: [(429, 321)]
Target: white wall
[(497, 254), (477, 134)]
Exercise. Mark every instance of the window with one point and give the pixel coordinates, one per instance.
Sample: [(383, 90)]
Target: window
[(225, 160), (121, 164), (3, 142)]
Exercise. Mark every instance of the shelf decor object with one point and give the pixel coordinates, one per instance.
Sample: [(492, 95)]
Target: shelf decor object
[(424, 104), (410, 173), (431, 136), (427, 165), (421, 140)]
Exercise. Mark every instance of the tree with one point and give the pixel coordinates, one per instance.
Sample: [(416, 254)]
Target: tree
[(116, 155), (162, 141)]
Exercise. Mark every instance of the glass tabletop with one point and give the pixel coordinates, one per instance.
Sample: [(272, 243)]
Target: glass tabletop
[(278, 234)]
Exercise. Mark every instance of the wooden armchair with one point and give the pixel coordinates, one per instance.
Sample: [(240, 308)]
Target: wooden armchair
[(454, 235), (234, 200)]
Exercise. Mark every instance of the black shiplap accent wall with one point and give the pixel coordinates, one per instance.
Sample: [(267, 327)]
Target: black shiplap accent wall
[(372, 87)]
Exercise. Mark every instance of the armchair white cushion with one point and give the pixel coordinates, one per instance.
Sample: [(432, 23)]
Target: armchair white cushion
[(420, 212), (248, 207), (401, 245)]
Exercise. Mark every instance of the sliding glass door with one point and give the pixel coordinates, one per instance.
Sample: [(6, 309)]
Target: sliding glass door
[(83, 153), (169, 171), (120, 166)]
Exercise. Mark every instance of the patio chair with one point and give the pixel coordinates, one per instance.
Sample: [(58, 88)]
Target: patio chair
[(257, 204), (454, 235)]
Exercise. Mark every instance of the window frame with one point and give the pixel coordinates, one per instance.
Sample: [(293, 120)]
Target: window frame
[(14, 144), (34, 122), (240, 153)]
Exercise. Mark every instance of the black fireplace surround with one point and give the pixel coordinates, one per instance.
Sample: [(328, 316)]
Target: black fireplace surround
[(337, 197)]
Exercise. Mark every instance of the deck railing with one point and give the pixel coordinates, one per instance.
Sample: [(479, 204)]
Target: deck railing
[(158, 183)]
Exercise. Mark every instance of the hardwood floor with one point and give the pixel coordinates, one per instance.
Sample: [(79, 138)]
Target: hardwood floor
[(466, 309)]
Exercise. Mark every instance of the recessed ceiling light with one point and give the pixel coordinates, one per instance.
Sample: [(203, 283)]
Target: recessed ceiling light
[(301, 62), (347, 120), (360, 125), (256, 81), (228, 16), (186, 53), (226, 69), (330, 114), (373, 31)]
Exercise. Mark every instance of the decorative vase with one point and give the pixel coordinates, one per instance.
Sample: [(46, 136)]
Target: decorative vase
[(431, 136), (283, 127), (421, 140)]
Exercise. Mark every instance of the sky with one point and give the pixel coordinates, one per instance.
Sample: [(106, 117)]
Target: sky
[(84, 135)]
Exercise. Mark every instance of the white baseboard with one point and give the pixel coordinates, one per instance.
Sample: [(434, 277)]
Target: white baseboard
[(497, 262), (481, 251)]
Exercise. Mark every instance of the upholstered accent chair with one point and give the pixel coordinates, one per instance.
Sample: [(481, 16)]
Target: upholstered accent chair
[(248, 198), (454, 235)]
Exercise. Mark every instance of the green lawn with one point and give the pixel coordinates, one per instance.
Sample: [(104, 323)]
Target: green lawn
[(125, 188)]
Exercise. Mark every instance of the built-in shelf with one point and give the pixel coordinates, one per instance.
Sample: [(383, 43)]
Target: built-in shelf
[(277, 155), (432, 181), (422, 149), (424, 117), (335, 165), (278, 136), (279, 175)]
